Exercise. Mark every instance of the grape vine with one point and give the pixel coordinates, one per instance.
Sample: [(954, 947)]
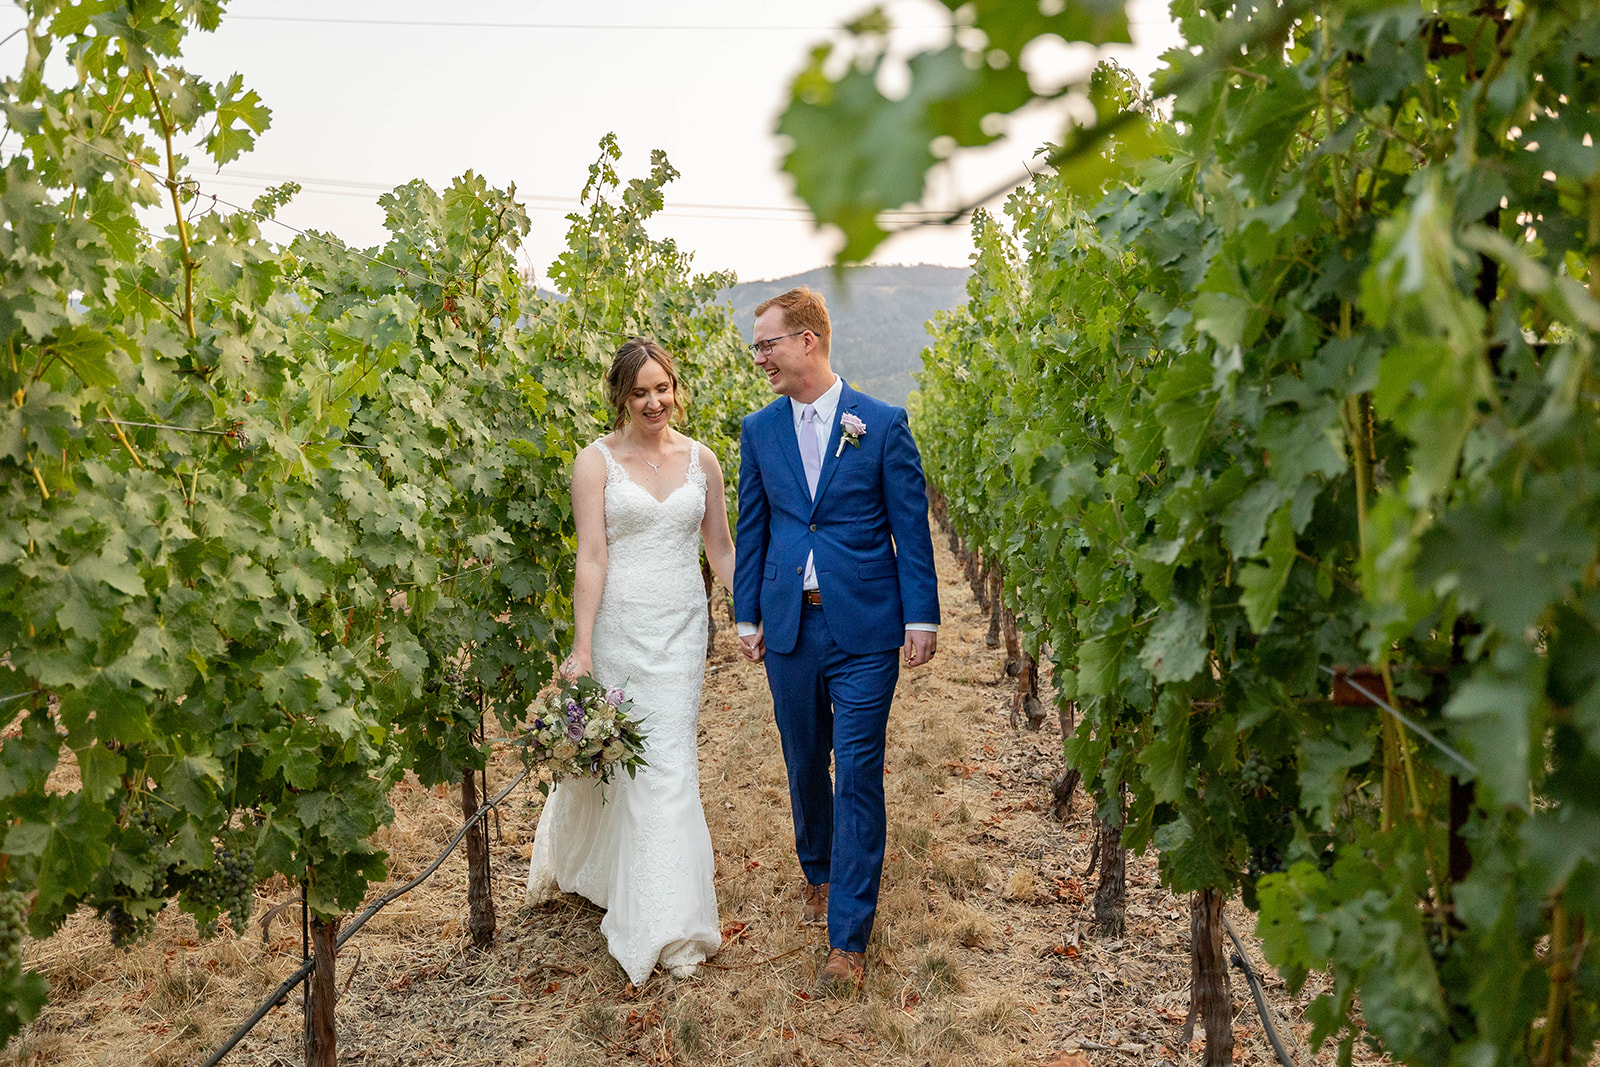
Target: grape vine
[(278, 524), (1301, 387)]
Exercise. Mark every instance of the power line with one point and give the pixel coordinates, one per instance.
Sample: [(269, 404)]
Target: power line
[(215, 200), (585, 26), (595, 26), (566, 204)]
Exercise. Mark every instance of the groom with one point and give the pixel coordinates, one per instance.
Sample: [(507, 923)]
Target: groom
[(834, 578)]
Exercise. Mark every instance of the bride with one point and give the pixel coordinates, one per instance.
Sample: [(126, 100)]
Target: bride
[(644, 496)]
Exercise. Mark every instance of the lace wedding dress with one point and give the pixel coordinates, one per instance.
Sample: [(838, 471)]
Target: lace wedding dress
[(644, 854)]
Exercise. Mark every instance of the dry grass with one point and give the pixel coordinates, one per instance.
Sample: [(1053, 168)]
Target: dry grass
[(981, 954)]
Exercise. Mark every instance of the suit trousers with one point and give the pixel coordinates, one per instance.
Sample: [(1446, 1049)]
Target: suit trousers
[(827, 701)]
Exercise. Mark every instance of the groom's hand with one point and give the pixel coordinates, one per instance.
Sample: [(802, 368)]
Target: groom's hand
[(920, 646), (753, 645)]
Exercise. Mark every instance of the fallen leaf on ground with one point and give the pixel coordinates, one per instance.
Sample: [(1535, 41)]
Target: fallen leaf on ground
[(1068, 1059)]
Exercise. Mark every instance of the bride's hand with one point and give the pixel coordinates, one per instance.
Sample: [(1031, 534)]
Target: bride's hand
[(575, 666)]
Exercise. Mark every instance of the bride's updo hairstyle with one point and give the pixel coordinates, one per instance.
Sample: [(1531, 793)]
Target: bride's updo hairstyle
[(625, 367)]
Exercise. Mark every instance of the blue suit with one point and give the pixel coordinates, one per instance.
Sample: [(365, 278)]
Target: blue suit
[(833, 668)]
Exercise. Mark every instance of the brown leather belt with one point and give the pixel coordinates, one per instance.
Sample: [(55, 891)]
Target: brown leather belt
[(812, 596)]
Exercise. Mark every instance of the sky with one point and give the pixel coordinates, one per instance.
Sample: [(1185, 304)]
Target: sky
[(369, 94)]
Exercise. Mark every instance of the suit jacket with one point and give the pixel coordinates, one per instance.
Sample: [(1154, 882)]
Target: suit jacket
[(867, 529)]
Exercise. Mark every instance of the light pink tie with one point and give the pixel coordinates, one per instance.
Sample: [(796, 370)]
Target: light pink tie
[(811, 447)]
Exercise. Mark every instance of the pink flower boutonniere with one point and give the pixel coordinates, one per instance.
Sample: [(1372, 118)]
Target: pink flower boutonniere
[(851, 430)]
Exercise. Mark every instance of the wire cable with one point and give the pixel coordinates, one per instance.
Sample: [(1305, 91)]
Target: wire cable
[(738, 212), (1413, 726), (194, 185), (583, 26), (1260, 996), (305, 969)]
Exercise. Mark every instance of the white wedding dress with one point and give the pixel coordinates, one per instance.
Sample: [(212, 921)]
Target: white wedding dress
[(644, 854)]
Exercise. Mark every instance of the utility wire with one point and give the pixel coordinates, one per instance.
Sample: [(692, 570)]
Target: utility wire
[(597, 26), (585, 26), (534, 201), (215, 200)]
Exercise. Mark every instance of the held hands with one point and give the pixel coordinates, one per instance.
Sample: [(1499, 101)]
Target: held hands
[(754, 646), (920, 646)]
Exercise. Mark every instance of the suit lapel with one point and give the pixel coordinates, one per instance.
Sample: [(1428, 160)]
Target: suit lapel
[(788, 442), (832, 455)]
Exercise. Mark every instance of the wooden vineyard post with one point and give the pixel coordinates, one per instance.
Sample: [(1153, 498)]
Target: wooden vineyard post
[(480, 898), (1211, 1002), (321, 1040)]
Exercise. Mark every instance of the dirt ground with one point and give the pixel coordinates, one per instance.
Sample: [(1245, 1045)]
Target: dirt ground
[(983, 951)]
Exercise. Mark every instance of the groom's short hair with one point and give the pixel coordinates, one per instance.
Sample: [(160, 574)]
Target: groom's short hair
[(803, 309)]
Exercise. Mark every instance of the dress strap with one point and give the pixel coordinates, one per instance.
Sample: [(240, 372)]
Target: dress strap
[(695, 474), (614, 470)]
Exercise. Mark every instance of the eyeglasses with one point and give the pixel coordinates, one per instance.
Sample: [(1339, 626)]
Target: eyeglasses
[(764, 348)]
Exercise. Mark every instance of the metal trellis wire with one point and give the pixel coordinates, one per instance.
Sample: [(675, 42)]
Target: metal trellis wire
[(1404, 720), (305, 969)]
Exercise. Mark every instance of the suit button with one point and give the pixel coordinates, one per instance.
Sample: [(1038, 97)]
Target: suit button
[(799, 570), (813, 527)]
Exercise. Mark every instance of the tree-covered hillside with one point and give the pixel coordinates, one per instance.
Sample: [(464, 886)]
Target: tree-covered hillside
[(878, 318)]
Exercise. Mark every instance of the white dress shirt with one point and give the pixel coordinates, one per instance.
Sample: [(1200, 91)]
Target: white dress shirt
[(826, 405)]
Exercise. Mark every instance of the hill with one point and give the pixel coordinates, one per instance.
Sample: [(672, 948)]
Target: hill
[(878, 314)]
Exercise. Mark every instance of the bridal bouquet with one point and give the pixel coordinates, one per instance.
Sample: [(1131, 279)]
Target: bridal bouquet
[(584, 730)]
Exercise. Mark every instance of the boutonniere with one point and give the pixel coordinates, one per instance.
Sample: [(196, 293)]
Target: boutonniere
[(851, 430)]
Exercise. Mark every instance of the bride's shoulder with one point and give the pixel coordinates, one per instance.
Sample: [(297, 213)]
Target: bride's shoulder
[(707, 456), (593, 458), (605, 447)]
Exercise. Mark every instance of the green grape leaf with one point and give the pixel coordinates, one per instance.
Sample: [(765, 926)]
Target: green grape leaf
[(1262, 583), (1189, 859), (240, 118), (1324, 765), (1167, 757), (1176, 648), (1185, 405), (1494, 718), (101, 769)]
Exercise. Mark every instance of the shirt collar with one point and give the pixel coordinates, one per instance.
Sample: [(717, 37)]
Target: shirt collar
[(826, 404)]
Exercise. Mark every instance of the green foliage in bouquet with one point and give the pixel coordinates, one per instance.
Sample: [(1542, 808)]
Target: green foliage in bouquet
[(583, 730)]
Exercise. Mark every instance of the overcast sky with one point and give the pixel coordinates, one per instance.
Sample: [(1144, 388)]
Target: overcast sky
[(366, 95)]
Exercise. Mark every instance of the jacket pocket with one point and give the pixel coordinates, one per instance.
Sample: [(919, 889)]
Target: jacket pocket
[(879, 568), (770, 572)]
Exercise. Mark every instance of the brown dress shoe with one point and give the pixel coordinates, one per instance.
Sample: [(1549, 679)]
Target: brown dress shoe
[(815, 911), (843, 971)]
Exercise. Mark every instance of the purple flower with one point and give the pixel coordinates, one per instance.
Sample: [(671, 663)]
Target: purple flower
[(575, 731), (572, 708), (615, 697), (851, 430)]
